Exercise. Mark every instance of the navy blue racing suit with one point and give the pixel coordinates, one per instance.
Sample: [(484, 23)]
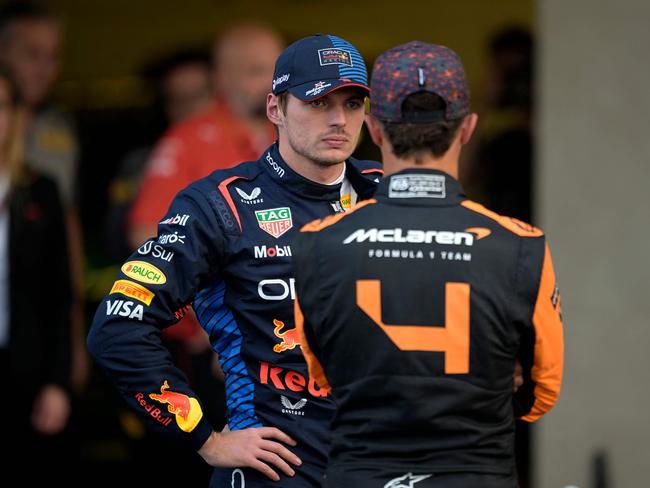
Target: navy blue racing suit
[(224, 248)]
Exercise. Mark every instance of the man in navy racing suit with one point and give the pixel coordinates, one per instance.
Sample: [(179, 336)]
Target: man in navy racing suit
[(224, 248)]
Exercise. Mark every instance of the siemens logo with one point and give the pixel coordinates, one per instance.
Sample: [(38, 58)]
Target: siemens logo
[(410, 236)]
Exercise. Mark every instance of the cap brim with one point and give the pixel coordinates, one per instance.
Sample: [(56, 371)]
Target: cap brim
[(308, 91)]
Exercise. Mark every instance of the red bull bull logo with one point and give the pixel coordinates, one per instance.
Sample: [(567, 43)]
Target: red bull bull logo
[(290, 338), (186, 409)]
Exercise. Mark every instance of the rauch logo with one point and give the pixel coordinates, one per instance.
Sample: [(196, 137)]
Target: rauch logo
[(144, 272)]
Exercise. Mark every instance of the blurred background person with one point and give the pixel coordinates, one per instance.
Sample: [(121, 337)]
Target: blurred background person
[(182, 88), (35, 302), (234, 129), (501, 174), (182, 85), (31, 40)]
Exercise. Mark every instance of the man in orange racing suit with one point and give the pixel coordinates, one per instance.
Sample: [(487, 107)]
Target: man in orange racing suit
[(418, 303)]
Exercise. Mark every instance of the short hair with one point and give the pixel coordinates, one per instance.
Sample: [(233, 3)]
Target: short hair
[(16, 11), (283, 99), (412, 139)]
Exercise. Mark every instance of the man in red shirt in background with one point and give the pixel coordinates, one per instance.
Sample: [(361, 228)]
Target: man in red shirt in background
[(235, 128)]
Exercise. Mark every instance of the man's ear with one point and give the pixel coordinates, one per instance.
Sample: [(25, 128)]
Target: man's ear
[(467, 128), (375, 130), (273, 110)]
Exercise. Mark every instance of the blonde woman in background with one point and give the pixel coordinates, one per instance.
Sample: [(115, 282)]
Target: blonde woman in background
[(35, 300)]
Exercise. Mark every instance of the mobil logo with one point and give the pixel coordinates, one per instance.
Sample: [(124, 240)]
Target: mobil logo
[(272, 251)]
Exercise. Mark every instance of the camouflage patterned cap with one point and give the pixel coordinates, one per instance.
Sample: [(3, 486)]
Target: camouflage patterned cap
[(414, 67)]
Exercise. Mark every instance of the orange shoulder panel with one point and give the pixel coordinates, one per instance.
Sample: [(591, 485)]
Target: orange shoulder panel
[(320, 224), (549, 343), (315, 368), (513, 225), (372, 170)]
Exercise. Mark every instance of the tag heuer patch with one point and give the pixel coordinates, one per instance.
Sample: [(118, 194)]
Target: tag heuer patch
[(334, 56), (417, 186), (275, 221)]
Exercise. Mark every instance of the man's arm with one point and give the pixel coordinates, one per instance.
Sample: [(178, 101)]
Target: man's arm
[(544, 345), (157, 281)]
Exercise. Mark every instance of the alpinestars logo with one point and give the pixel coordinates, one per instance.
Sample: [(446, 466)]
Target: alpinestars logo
[(252, 198), (293, 408), (406, 481)]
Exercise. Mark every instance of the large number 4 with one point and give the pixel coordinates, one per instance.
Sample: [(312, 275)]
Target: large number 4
[(452, 339)]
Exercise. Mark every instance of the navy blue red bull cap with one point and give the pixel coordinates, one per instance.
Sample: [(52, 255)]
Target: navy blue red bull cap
[(415, 67), (317, 65)]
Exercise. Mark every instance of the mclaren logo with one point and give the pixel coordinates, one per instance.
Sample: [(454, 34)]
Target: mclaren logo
[(412, 236), (418, 236), (480, 232)]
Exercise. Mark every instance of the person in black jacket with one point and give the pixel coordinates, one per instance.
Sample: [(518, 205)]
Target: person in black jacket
[(418, 303), (35, 298)]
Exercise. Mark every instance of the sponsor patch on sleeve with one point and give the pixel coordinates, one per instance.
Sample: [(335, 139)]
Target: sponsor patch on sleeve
[(133, 290), (417, 186), (144, 272), (186, 409)]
